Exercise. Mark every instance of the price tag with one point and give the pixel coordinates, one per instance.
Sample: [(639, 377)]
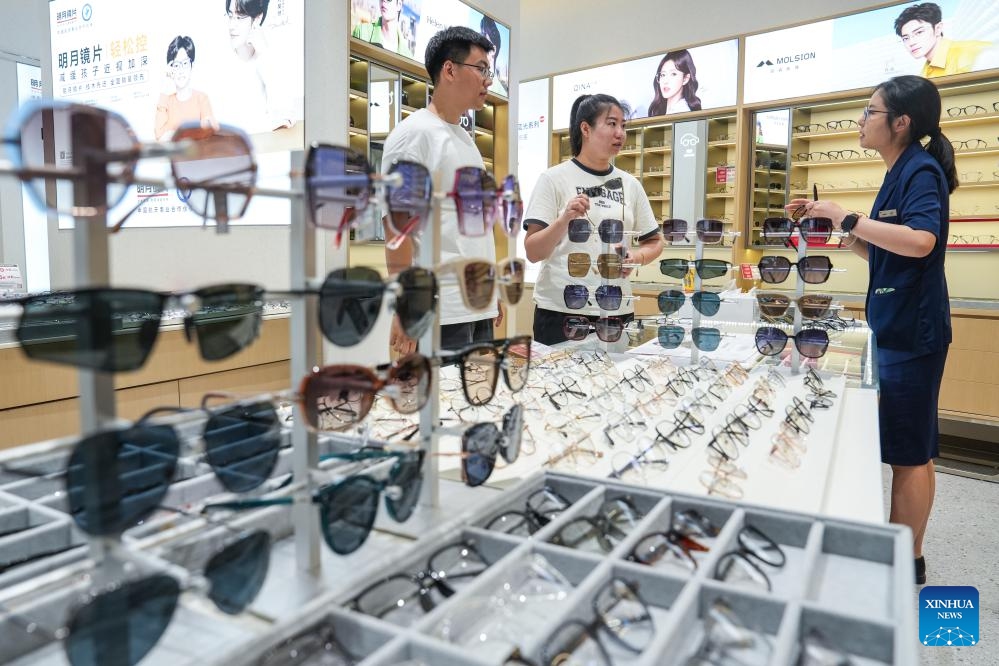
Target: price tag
[(750, 271), (10, 277)]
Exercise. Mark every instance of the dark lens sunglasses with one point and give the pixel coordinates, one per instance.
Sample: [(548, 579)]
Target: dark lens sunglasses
[(811, 342), (124, 623), (336, 397), (813, 270), (113, 330), (705, 339), (608, 329), (118, 477), (339, 185), (706, 268), (481, 443), (347, 508), (481, 204), (609, 231), (577, 296), (705, 302), (480, 363), (350, 300), (815, 230)]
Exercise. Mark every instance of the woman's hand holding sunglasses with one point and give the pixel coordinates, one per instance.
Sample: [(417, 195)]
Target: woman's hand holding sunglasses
[(798, 208)]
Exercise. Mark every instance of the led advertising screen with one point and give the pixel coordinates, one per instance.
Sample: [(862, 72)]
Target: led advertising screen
[(532, 149), (229, 62), (702, 77), (931, 39), (404, 27)]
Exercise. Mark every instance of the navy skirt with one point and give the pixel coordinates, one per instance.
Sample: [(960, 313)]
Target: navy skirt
[(907, 409)]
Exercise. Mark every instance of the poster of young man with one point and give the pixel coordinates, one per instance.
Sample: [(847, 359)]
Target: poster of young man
[(930, 39)]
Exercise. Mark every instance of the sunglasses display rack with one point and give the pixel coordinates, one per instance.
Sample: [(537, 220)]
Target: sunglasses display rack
[(848, 583)]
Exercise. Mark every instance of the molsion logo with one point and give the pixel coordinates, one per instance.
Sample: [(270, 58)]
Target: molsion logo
[(948, 616), (787, 63)]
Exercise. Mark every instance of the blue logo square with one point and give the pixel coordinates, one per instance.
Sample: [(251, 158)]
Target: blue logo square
[(948, 616)]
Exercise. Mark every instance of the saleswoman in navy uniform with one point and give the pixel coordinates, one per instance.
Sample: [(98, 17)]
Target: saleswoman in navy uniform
[(904, 240)]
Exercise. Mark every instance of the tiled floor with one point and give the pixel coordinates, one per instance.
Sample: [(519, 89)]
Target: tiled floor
[(962, 548)]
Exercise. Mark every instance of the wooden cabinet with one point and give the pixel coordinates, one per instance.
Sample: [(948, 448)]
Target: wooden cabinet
[(40, 401)]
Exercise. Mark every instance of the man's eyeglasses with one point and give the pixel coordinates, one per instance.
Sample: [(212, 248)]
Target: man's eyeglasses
[(483, 70)]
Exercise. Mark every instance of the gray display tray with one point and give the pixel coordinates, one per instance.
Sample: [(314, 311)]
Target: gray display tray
[(851, 581)]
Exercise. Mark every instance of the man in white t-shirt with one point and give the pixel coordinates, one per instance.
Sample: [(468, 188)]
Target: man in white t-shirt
[(457, 60)]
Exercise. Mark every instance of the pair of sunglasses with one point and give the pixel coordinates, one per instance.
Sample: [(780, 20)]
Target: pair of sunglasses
[(577, 296), (815, 230), (479, 279), (706, 302), (481, 204), (811, 306), (608, 329), (709, 232), (811, 342), (350, 300), (481, 443), (347, 508), (340, 183), (609, 265), (706, 268), (213, 169), (121, 625), (339, 396), (609, 231), (705, 339), (480, 362), (114, 330), (813, 270), (118, 477)]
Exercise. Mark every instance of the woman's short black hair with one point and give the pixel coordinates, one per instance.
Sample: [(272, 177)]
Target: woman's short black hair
[(588, 109), (176, 44)]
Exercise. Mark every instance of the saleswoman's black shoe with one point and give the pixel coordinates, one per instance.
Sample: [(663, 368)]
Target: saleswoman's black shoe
[(920, 570)]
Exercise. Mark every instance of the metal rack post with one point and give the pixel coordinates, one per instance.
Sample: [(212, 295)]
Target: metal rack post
[(304, 357), (430, 343), (799, 292)]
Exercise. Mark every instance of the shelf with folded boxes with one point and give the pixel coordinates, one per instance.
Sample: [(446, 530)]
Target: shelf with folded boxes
[(657, 167), (720, 177)]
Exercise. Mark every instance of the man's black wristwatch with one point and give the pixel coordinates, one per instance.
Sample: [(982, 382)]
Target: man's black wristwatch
[(849, 222)]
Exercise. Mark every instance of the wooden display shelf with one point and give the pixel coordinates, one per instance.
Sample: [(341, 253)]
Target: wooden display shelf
[(30, 381)]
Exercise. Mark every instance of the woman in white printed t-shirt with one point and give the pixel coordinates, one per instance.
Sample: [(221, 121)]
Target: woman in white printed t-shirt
[(580, 222)]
